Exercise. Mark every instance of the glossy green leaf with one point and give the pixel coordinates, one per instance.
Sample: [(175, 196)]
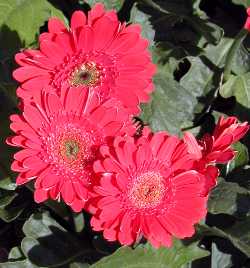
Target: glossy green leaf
[(146, 256)]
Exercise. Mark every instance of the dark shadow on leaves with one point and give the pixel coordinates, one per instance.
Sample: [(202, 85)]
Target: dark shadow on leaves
[(10, 44), (56, 248), (243, 205)]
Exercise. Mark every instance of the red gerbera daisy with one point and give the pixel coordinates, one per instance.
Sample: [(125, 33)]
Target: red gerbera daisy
[(60, 140), (216, 148), (97, 52), (146, 188)]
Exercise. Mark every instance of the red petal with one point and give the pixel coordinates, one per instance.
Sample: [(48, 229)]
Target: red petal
[(68, 192), (40, 195), (78, 19), (56, 26)]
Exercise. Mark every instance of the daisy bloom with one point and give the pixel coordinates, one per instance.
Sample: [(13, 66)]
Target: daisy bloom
[(146, 188), (216, 148), (98, 52), (60, 140)]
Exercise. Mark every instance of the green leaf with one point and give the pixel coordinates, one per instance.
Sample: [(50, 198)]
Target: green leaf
[(239, 234), (182, 11), (241, 62), (6, 197), (109, 4), (23, 18), (201, 76), (145, 256), (78, 219), (229, 198), (241, 158), (238, 86), (245, 3), (15, 254), (18, 264), (208, 30), (16, 260), (137, 16), (220, 259), (171, 104), (79, 265), (7, 184), (45, 237), (10, 213)]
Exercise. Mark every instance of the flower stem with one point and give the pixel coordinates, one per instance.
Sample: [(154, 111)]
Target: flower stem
[(232, 52)]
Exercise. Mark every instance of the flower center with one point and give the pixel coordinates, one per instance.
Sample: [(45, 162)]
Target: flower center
[(147, 190), (87, 75), (70, 149)]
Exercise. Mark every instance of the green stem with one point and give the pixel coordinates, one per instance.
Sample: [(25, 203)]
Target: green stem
[(232, 52)]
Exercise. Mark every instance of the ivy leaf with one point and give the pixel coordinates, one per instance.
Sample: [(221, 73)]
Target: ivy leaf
[(21, 19), (171, 104), (109, 4), (146, 256), (229, 198)]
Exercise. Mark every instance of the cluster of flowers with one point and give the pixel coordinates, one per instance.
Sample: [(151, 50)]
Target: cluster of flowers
[(79, 93)]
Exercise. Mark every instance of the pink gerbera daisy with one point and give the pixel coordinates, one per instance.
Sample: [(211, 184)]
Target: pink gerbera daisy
[(216, 148), (60, 139), (97, 52), (146, 188)]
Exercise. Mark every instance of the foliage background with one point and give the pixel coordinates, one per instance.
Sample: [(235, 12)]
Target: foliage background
[(190, 40)]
